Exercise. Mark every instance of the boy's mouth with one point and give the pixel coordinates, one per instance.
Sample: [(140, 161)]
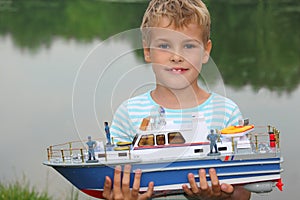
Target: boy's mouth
[(178, 69)]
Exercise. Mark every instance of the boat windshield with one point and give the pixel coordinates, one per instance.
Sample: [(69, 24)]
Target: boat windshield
[(134, 139), (146, 140)]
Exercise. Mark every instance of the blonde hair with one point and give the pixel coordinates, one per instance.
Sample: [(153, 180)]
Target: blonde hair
[(180, 13)]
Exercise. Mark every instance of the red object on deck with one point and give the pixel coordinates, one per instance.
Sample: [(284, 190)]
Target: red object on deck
[(272, 139), (272, 144)]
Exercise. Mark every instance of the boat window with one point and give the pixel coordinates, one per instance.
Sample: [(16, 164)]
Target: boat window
[(122, 154), (222, 148), (146, 140), (198, 150), (101, 155), (160, 139), (175, 138)]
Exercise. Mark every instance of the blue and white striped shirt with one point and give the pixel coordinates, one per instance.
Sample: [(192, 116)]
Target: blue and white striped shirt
[(218, 111)]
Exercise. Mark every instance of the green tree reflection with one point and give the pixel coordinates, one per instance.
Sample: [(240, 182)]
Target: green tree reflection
[(33, 23), (255, 42)]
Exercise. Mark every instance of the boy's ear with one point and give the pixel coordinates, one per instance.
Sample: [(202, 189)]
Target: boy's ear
[(146, 52), (207, 49)]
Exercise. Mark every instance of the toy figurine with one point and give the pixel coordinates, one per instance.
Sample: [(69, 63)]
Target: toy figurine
[(107, 133), (91, 146), (212, 137), (162, 118)]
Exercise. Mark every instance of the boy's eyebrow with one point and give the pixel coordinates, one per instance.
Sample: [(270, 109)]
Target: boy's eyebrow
[(184, 41), (161, 39), (192, 40)]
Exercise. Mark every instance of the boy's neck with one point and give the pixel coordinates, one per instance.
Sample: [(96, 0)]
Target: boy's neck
[(179, 99)]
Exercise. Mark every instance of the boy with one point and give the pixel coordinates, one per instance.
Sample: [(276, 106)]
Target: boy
[(176, 42)]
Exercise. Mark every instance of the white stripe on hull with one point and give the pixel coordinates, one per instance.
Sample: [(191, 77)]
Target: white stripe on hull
[(244, 173), (226, 164), (228, 181)]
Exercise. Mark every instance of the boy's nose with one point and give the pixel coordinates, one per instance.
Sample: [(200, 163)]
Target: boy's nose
[(175, 57)]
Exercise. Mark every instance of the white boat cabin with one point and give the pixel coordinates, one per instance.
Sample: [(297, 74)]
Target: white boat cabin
[(177, 143)]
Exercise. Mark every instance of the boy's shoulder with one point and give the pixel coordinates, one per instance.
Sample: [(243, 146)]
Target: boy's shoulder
[(141, 97), (139, 100), (217, 98)]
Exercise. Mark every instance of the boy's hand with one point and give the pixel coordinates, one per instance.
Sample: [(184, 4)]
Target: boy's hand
[(213, 192), (123, 191)]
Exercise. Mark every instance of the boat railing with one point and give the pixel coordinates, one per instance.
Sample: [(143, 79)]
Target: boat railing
[(266, 140), (73, 151), (76, 151), (262, 139)]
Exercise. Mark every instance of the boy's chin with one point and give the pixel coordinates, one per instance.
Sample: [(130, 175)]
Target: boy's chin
[(176, 85)]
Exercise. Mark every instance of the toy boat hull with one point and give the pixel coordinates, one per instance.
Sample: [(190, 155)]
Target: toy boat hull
[(167, 156), (169, 177)]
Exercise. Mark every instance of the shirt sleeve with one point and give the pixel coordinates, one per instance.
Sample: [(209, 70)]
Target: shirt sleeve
[(236, 115)]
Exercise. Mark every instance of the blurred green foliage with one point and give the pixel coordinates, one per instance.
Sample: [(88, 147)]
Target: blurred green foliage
[(21, 191), (255, 42)]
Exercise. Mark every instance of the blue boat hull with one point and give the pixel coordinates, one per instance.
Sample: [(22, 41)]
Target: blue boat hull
[(89, 178)]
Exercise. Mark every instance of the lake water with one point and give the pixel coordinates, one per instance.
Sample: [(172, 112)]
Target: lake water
[(66, 65)]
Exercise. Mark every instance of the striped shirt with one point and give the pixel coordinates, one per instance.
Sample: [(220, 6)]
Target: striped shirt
[(218, 111)]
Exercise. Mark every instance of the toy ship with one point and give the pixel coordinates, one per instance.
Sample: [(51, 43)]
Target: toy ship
[(246, 155)]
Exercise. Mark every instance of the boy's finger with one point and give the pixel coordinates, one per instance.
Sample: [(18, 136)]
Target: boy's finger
[(126, 181), (107, 188), (117, 194), (227, 188), (187, 190), (148, 194), (193, 184), (136, 184), (216, 189), (203, 182)]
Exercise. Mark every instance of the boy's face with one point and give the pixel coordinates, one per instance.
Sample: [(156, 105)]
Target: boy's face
[(176, 55)]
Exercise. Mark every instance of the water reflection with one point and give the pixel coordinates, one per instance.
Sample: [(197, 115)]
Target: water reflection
[(255, 42), (42, 43)]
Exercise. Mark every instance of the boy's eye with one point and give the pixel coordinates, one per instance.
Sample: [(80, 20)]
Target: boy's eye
[(164, 46), (189, 46)]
